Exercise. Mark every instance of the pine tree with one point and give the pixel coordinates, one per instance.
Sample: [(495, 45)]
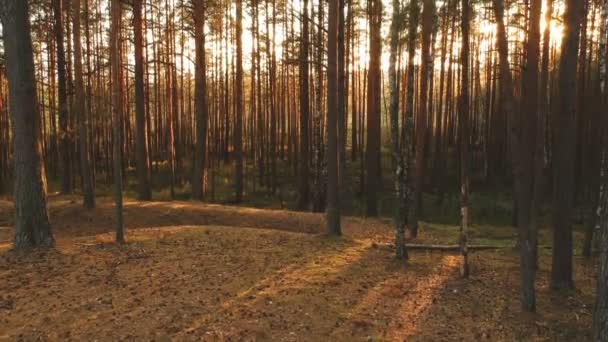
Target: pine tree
[(333, 201), (32, 227), (564, 159), (600, 317), (117, 107), (463, 124), (80, 109), (144, 192), (198, 178), (238, 125)]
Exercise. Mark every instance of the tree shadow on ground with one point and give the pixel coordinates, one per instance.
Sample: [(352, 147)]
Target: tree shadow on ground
[(149, 288), (69, 219), (487, 306)]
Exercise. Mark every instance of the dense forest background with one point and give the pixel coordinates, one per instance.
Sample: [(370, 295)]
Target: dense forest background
[(284, 141)]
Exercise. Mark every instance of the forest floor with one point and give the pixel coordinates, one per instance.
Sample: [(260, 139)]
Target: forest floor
[(210, 272)]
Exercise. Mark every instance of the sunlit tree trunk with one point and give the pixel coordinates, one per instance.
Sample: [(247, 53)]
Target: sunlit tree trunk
[(525, 143), (319, 181), (141, 134), (372, 155), (422, 120), (399, 153), (64, 134), (333, 203), (117, 105), (409, 100), (238, 124), (463, 124), (32, 227), (271, 94), (564, 159), (303, 176), (80, 108), (341, 97), (200, 101)]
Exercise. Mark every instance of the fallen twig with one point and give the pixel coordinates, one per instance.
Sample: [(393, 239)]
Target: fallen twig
[(416, 246)]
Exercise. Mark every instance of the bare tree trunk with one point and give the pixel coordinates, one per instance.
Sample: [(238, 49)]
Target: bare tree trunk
[(463, 124), (422, 120), (531, 161), (372, 155), (238, 124), (141, 135), (304, 188), (564, 164), (32, 227), (341, 97), (333, 202), (80, 107), (522, 136), (398, 152), (117, 105), (62, 88), (600, 317), (200, 102), (409, 101), (319, 181)]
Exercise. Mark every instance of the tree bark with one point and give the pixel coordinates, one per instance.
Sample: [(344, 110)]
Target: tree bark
[(62, 88), (428, 21), (409, 101), (399, 153), (80, 107), (565, 156), (144, 192), (600, 317), (372, 155), (117, 107), (238, 124), (32, 227), (303, 176), (198, 178), (333, 204), (463, 124)]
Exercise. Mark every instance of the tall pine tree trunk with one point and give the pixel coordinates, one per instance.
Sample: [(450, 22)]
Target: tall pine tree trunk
[(565, 156), (32, 227), (62, 88), (144, 192), (409, 100), (600, 318), (198, 178), (117, 106), (238, 124), (428, 21), (333, 202), (463, 124), (303, 175), (399, 153), (372, 154), (80, 108)]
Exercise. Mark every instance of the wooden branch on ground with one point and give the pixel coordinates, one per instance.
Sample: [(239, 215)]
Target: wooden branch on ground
[(416, 246)]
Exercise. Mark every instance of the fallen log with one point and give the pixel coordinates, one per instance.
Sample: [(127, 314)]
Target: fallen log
[(416, 246)]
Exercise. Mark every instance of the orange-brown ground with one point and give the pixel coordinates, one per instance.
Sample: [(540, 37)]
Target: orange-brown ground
[(208, 272)]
